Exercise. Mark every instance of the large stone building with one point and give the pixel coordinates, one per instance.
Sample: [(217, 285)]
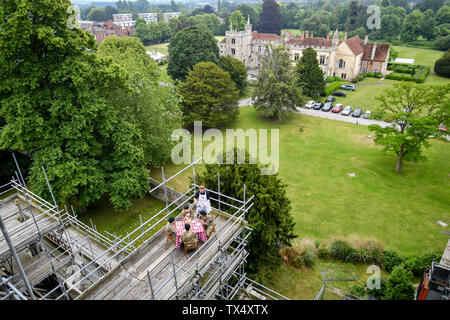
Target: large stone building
[(343, 58)]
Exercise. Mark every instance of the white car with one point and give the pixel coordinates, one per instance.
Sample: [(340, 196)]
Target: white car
[(309, 104)]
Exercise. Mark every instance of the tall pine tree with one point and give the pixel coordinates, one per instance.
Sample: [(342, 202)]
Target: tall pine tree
[(270, 19), (309, 75)]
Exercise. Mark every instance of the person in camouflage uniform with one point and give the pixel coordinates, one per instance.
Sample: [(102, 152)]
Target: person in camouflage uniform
[(207, 222), (188, 238), (186, 213), (170, 226)]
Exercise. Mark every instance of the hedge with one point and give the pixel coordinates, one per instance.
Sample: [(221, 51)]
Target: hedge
[(331, 87), (402, 77), (330, 79)]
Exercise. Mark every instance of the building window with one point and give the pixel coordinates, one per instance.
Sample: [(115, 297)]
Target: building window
[(296, 56), (322, 60), (364, 70), (343, 76), (233, 52), (259, 48), (376, 70), (341, 63), (233, 41)]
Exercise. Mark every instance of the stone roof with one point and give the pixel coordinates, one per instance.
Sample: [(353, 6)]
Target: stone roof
[(310, 42), (265, 36), (381, 51), (355, 44)]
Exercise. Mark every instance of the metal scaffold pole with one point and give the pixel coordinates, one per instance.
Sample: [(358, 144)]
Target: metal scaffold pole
[(16, 258), (151, 287), (165, 189)]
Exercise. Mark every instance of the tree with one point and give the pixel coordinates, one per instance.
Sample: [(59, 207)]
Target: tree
[(237, 20), (393, 54), (276, 94), (443, 15), (356, 16), (428, 26), (97, 14), (442, 65), (269, 217), (399, 285), (236, 70), (416, 112), (442, 43), (209, 95), (270, 19), (412, 25), (309, 75), (155, 110), (109, 11), (188, 47), (208, 9), (318, 23), (248, 11), (391, 26), (59, 105)]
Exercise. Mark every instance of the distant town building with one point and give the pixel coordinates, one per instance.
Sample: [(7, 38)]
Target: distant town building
[(345, 59), (103, 30), (170, 15), (122, 17), (149, 17)]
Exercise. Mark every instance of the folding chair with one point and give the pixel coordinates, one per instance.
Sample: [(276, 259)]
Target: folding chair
[(186, 244), (213, 230), (169, 237)]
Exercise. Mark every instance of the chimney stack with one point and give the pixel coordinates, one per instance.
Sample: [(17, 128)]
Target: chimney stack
[(345, 36), (312, 34), (302, 36), (366, 39), (328, 36), (374, 49)]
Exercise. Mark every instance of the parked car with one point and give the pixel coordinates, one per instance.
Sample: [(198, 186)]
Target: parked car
[(367, 114), (330, 99), (351, 87), (327, 107), (357, 113), (337, 108), (318, 105), (339, 94), (309, 104), (442, 127), (387, 119), (347, 111)]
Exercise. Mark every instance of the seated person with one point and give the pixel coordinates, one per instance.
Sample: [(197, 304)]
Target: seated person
[(170, 226), (186, 213), (188, 238), (207, 222)]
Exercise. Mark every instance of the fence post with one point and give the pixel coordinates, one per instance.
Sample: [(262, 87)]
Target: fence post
[(142, 227), (218, 187), (165, 189)]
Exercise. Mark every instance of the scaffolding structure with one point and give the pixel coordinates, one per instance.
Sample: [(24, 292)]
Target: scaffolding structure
[(82, 263)]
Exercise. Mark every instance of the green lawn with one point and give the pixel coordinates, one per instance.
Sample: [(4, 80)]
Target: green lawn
[(304, 284), (401, 210), (424, 57), (160, 47)]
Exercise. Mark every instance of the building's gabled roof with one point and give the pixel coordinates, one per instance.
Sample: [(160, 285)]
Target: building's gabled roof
[(381, 51), (355, 45), (310, 42), (265, 36)]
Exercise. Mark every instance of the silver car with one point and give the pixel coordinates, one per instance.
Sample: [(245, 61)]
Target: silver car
[(309, 104), (347, 110)]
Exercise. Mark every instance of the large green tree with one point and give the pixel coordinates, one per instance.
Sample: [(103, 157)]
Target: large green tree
[(309, 75), (237, 20), (442, 65), (428, 29), (412, 26), (391, 26), (57, 103), (155, 110), (416, 111), (188, 47), (276, 94), (237, 71), (269, 217), (443, 15), (209, 95), (270, 19)]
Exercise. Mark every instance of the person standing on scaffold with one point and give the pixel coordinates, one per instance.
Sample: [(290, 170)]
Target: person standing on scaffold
[(202, 200)]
